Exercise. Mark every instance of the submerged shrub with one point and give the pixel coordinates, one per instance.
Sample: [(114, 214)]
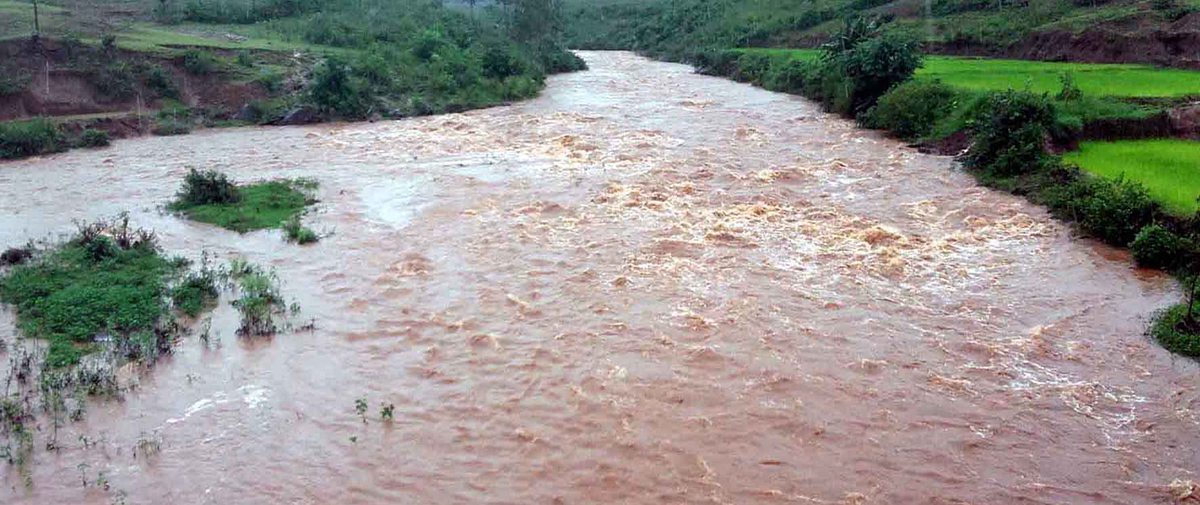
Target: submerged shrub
[(1156, 247), (911, 110), (206, 188), (19, 139), (1010, 131), (293, 231)]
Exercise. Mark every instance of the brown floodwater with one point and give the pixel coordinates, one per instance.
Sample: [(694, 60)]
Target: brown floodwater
[(645, 286)]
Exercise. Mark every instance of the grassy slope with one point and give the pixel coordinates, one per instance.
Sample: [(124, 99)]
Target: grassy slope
[(1170, 169)]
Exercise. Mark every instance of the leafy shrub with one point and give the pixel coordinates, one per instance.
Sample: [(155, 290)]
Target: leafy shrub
[(19, 139), (198, 63), (1070, 91), (197, 290), (373, 68), (271, 82), (94, 138), (13, 81), (789, 76), (1157, 247), (752, 67), (428, 44), (115, 80), (1010, 131), (499, 62), (206, 188), (911, 110), (293, 231), (1172, 330), (169, 126), (1112, 210), (877, 64), (158, 81), (258, 302), (244, 59), (335, 90)]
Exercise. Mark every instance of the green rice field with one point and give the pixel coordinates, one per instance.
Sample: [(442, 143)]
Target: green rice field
[(1042, 76), (1170, 169)]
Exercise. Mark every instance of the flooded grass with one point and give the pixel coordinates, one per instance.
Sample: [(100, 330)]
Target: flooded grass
[(86, 289), (1166, 167), (209, 197)]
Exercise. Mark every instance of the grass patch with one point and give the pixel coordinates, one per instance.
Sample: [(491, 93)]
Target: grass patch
[(242, 208), (1167, 168)]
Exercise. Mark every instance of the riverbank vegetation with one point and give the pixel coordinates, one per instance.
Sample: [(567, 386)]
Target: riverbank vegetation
[(237, 62), (210, 197), (1008, 139)]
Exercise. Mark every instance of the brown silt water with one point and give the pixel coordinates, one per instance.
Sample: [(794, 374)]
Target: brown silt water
[(645, 286)]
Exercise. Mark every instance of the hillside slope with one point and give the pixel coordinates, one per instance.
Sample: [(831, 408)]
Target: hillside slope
[(1159, 32)]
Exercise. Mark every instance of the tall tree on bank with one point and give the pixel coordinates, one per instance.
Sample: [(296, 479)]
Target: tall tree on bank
[(535, 22)]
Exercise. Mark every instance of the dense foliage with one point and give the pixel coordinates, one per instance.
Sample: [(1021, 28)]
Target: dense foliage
[(19, 139)]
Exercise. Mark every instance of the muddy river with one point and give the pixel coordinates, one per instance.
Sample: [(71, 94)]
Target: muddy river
[(645, 286)]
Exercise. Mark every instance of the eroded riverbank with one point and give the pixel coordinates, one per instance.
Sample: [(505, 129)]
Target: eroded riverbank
[(644, 286)]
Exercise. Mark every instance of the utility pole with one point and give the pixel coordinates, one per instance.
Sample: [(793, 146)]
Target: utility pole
[(37, 23)]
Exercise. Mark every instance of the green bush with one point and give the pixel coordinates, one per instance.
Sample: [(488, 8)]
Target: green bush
[(911, 110), (169, 126), (1010, 132), (115, 80), (158, 81), (877, 64), (789, 76), (19, 139), (1156, 247), (752, 67), (206, 188), (13, 81), (1171, 329), (334, 90), (198, 63), (271, 82), (499, 62), (1112, 210), (94, 138), (244, 59)]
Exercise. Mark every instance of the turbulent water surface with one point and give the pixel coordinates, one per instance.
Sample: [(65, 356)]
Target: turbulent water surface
[(645, 286)]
